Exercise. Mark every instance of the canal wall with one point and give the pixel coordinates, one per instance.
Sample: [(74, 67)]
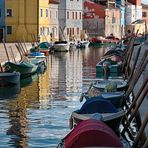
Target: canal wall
[(143, 108)]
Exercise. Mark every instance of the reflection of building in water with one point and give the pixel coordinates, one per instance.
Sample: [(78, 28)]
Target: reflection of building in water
[(58, 74), (44, 86), (17, 113), (90, 59), (74, 72), (66, 73)]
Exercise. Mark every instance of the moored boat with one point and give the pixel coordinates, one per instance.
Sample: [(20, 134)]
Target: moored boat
[(108, 67), (102, 40), (107, 84), (100, 110), (91, 133), (25, 68), (9, 78), (44, 47), (82, 44), (61, 46), (41, 64)]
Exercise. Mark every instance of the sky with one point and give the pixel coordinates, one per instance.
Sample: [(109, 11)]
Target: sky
[(144, 1)]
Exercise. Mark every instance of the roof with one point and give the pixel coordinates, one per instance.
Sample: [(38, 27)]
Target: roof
[(92, 9)]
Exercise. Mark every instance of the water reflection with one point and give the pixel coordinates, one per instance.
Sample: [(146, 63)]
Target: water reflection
[(17, 112), (39, 115), (9, 92), (44, 86)]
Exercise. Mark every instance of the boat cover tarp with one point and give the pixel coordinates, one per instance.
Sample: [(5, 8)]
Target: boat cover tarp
[(95, 105), (92, 133)]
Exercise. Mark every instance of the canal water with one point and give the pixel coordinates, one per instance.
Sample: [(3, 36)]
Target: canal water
[(38, 117)]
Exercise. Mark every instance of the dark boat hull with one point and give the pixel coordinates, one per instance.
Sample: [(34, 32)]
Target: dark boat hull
[(23, 67), (26, 69), (104, 110), (9, 79)]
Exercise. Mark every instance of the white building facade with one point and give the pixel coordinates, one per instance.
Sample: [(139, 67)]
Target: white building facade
[(70, 19), (54, 22), (133, 13)]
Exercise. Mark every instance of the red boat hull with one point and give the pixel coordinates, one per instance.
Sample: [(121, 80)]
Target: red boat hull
[(92, 133)]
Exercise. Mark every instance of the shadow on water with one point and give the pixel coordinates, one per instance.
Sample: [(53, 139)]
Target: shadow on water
[(10, 92)]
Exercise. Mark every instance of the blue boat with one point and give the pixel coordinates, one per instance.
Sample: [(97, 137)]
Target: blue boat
[(99, 109), (116, 98), (108, 67), (36, 54)]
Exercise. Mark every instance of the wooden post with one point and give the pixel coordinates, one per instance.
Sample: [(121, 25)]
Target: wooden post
[(19, 51), (137, 96), (25, 44), (141, 130), (145, 144), (12, 54), (135, 110), (22, 48), (6, 50), (135, 62), (137, 73)]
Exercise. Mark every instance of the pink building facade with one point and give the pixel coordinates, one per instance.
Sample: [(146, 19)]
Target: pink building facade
[(99, 20)]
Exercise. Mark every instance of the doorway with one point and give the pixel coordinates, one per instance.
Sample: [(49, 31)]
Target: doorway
[(1, 35)]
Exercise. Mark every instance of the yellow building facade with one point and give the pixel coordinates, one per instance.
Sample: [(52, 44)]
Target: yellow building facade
[(27, 20)]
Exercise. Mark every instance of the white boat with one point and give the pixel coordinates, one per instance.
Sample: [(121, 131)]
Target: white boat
[(85, 43), (82, 44), (61, 46)]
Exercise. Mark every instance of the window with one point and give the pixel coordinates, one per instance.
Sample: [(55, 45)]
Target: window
[(67, 31), (46, 12), (67, 15), (80, 16), (9, 29), (73, 15), (72, 31), (144, 14), (77, 31), (9, 12), (41, 12), (76, 15)]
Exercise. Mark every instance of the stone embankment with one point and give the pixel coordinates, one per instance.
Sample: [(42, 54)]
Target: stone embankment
[(3, 56)]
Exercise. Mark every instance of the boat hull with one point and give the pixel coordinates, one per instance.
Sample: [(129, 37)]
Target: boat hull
[(91, 133), (101, 84), (61, 47), (104, 109), (26, 69), (116, 98), (9, 79), (111, 119), (107, 68)]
